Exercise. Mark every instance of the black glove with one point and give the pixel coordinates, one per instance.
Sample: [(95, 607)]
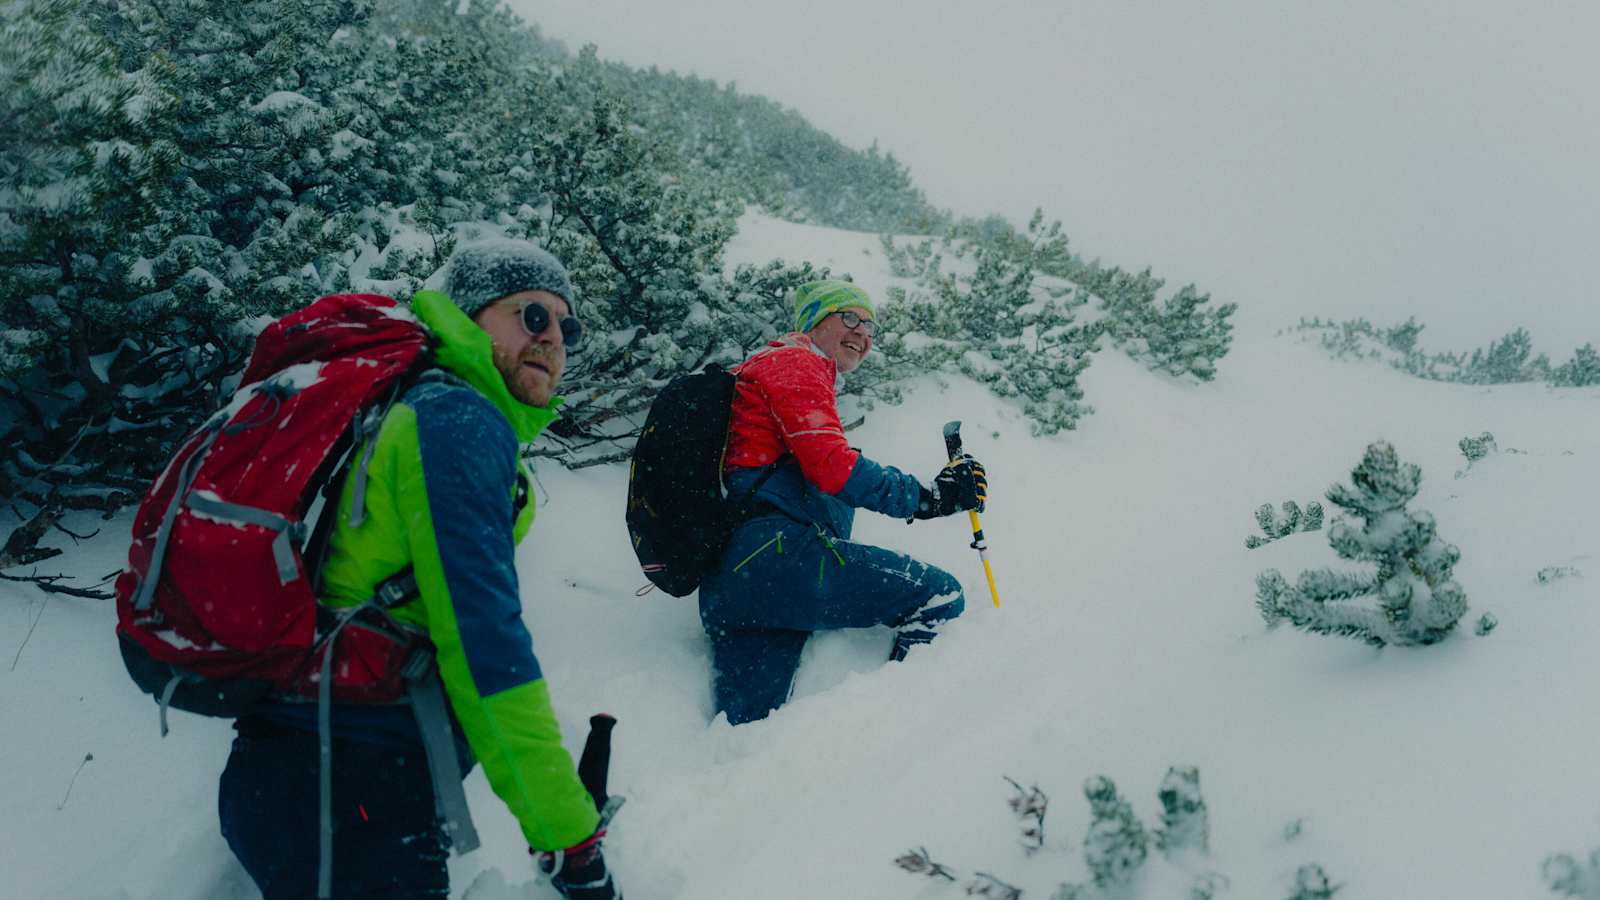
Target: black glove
[(580, 873), (959, 486)]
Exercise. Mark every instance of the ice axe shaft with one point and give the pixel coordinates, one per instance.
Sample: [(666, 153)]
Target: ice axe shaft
[(952, 447)]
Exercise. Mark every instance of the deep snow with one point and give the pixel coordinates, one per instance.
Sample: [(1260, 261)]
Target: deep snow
[(1128, 641)]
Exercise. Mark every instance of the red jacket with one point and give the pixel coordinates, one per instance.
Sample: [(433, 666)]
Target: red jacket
[(785, 402)]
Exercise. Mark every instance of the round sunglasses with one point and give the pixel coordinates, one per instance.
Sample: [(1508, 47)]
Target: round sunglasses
[(535, 318), (855, 322)]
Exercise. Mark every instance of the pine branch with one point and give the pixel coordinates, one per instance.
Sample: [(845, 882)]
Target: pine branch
[(1029, 805), (22, 548), (50, 584)]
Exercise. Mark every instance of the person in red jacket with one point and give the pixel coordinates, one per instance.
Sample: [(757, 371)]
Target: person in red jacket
[(791, 569)]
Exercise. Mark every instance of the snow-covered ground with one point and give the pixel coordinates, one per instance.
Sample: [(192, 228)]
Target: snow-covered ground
[(1128, 641)]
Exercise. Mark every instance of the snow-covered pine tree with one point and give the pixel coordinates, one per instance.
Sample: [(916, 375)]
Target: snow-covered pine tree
[(1273, 526), (87, 157), (1182, 336), (769, 155), (1403, 337), (1189, 336), (133, 243), (1505, 361), (185, 170), (1566, 876), (1184, 822), (1117, 844), (1417, 601), (998, 327), (912, 259), (1582, 370)]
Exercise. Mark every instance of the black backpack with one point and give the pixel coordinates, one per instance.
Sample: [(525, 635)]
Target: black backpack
[(679, 515)]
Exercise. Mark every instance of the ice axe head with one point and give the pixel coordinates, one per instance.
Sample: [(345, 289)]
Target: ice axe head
[(952, 439)]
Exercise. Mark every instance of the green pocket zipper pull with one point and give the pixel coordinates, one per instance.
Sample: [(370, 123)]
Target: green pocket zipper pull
[(777, 540)]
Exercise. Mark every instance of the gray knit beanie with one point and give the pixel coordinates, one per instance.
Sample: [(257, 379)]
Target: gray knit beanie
[(484, 271)]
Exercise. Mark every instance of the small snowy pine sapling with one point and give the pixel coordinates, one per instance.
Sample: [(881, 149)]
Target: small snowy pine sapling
[(1476, 448), (1184, 821), (1311, 883), (1030, 805), (1486, 624), (1567, 877), (1292, 520), (1116, 845), (1417, 601)]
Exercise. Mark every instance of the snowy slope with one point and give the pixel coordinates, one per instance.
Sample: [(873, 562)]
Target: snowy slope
[(1128, 642)]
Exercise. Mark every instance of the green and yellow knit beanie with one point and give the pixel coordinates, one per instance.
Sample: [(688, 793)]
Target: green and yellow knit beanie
[(816, 299)]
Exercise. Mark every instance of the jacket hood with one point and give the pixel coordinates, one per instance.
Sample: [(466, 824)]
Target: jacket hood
[(465, 351)]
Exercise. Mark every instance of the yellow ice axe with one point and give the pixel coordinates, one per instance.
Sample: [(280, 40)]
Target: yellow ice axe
[(952, 446)]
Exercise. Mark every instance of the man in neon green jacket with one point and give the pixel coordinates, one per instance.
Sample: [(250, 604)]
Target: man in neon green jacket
[(445, 496)]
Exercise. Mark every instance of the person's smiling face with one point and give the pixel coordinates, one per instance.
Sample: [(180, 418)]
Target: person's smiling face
[(846, 344)]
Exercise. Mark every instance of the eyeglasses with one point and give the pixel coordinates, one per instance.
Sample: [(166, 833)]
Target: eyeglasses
[(853, 321), (536, 318)]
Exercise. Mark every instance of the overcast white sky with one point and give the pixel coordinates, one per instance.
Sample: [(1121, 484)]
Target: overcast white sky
[(1438, 159)]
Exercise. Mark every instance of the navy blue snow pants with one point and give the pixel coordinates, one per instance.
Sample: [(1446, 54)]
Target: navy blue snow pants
[(780, 580), (387, 842)]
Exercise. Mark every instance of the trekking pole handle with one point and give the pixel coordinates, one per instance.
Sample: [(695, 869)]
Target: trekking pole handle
[(594, 765), (952, 447)]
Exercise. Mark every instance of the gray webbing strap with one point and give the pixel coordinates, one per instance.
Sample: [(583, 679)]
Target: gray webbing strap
[(433, 721), (367, 428), (358, 498), (147, 588), (282, 545), (325, 760), (166, 700)]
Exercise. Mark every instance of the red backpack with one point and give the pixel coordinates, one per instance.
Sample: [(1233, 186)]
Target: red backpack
[(217, 607)]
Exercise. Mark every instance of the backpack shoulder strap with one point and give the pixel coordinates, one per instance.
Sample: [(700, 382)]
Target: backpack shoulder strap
[(363, 437)]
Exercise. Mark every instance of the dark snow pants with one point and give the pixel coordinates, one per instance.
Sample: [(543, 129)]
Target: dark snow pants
[(781, 580), (386, 836)]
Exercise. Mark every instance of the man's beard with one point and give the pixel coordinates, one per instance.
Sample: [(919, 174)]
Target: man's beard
[(517, 377)]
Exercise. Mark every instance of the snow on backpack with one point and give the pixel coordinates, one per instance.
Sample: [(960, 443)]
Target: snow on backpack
[(217, 607), (679, 515)]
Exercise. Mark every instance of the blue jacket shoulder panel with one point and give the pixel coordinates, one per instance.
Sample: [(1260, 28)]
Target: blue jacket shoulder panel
[(469, 465)]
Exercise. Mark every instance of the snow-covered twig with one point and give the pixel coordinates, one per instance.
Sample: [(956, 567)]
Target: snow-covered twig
[(87, 758), (1030, 805), (918, 862)]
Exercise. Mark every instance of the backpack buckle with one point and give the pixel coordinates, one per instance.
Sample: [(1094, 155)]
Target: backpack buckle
[(396, 590)]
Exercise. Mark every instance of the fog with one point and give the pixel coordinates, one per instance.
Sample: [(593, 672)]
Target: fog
[(1433, 159)]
